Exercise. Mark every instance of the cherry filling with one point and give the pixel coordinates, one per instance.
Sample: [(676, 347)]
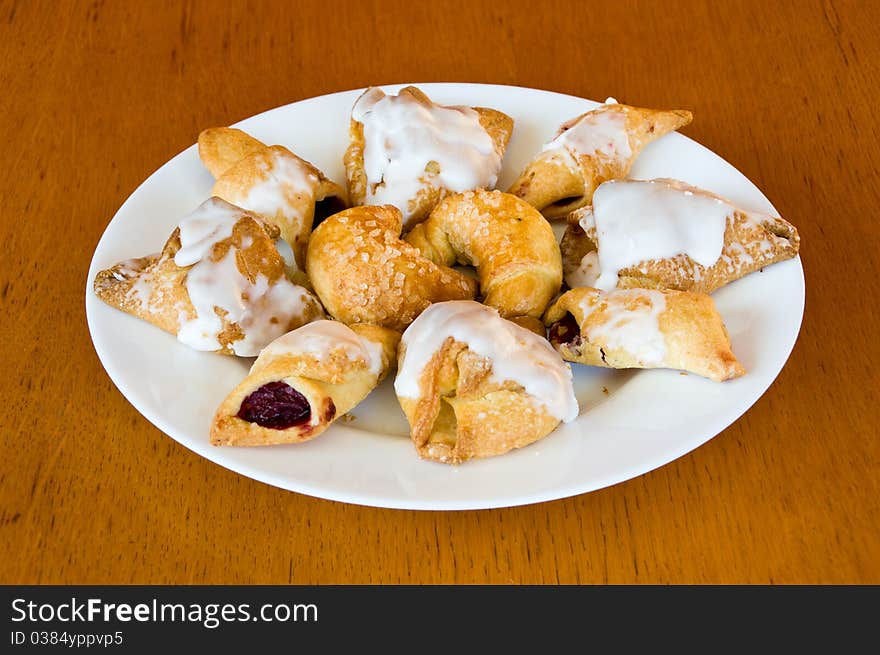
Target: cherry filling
[(565, 331), (275, 405)]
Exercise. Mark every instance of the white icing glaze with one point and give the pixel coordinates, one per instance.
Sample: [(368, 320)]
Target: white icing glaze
[(286, 253), (517, 354), (285, 179), (319, 338), (611, 101), (211, 222), (632, 323), (402, 135), (261, 310), (599, 133), (587, 272), (643, 220)]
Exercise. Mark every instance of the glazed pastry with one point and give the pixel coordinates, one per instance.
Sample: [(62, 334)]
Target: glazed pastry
[(409, 152), (508, 241), (473, 384), (364, 273), (642, 328), (665, 234), (218, 284), (302, 382), (599, 145), (270, 181)]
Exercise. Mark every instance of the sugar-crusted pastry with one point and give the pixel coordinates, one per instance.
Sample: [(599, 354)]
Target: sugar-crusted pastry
[(642, 328), (511, 245), (410, 152), (666, 234), (364, 273), (218, 284), (599, 145), (473, 384), (270, 181), (302, 382)]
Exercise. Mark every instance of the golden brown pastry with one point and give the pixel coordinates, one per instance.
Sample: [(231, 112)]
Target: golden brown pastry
[(511, 245), (665, 234), (270, 181), (642, 328), (302, 382), (473, 384), (364, 273), (599, 145), (409, 152), (218, 284)]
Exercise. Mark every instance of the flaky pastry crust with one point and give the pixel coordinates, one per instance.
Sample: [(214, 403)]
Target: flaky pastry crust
[(498, 125), (364, 273), (240, 163), (512, 246), (154, 288), (560, 180), (585, 325), (332, 385), (463, 414), (751, 242)]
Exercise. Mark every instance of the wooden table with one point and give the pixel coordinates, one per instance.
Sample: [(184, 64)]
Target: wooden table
[(97, 95)]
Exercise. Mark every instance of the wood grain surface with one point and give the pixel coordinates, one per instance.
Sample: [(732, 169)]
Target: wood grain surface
[(96, 95)]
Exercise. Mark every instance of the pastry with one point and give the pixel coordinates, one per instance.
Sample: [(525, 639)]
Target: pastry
[(218, 284), (364, 273), (599, 145), (642, 328), (270, 181), (473, 384), (409, 152), (666, 234), (511, 245), (302, 382)]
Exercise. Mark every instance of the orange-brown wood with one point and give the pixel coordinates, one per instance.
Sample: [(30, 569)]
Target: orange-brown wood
[(95, 96)]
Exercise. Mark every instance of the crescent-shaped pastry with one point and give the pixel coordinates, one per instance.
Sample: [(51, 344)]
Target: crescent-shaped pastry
[(218, 284), (599, 145), (642, 328), (302, 382), (512, 246), (270, 181), (364, 273), (409, 152), (473, 384), (665, 234)]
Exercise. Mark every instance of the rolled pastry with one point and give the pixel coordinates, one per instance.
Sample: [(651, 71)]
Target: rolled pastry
[(642, 328), (409, 152), (364, 273), (270, 181), (302, 382), (473, 384), (665, 234), (512, 246), (218, 284), (599, 145)]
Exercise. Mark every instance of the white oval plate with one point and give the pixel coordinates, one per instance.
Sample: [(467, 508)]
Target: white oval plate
[(630, 422)]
